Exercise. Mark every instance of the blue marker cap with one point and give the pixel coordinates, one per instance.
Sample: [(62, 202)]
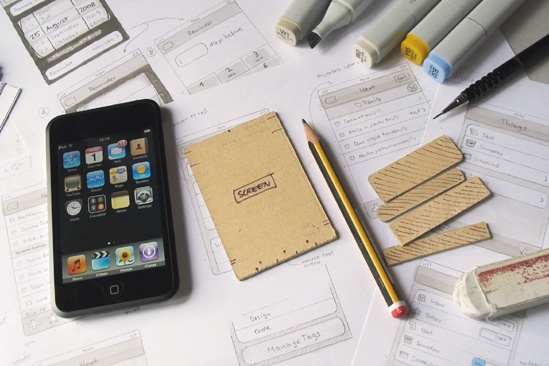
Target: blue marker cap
[(437, 67)]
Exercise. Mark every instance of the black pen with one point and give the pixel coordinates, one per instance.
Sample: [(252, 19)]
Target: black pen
[(528, 57)]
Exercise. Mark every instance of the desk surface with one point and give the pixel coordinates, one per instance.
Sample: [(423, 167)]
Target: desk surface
[(215, 64)]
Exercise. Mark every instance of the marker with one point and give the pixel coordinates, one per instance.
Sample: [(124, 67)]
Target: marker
[(526, 58), (467, 37), (391, 30), (299, 19), (434, 27), (377, 266), (339, 14)]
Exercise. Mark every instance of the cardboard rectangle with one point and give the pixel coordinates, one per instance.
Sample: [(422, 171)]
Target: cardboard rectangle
[(415, 168), (420, 194), (437, 243), (260, 199), (439, 210)]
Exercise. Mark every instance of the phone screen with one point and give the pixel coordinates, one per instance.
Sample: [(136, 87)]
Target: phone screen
[(111, 223), (107, 191)]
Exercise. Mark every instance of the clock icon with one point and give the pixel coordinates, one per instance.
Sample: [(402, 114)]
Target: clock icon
[(74, 207)]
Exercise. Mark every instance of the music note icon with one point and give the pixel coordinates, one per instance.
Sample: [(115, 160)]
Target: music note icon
[(76, 264)]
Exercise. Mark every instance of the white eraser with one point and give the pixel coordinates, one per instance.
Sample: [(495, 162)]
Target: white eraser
[(504, 287)]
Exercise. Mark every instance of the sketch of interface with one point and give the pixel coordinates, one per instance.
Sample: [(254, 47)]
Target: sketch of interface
[(511, 155), (129, 78), (126, 349), (302, 322), (375, 115), (436, 333), (219, 261), (62, 35), (216, 47), (26, 218)]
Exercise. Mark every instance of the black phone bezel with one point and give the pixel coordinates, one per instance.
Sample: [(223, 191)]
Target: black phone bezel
[(125, 289)]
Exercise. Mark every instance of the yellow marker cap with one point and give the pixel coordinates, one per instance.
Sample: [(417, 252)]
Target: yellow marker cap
[(414, 49)]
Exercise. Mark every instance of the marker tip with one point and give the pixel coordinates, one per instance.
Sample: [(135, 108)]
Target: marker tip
[(313, 39)]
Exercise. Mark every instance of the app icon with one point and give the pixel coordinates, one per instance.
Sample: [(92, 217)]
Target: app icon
[(95, 179), (148, 251), (101, 260), (94, 155), (141, 170), (118, 150), (120, 200), (73, 207), (97, 203), (71, 159), (73, 183), (118, 175), (124, 256), (138, 146), (143, 195), (76, 264)]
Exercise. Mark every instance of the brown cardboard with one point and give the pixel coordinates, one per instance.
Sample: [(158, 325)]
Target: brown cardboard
[(437, 243), (439, 210), (260, 199), (415, 168), (420, 194)]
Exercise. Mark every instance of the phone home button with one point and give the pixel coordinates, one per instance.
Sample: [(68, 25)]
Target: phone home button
[(115, 289)]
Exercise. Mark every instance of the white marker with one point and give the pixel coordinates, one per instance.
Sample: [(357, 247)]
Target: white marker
[(434, 27), (299, 19), (339, 14), (390, 30), (504, 287), (465, 39)]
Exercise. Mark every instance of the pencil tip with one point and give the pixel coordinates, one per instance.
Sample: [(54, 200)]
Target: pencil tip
[(440, 114), (313, 39)]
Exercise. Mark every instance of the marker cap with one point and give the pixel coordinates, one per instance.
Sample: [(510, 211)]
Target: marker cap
[(366, 52), (437, 67), (288, 31), (414, 49)]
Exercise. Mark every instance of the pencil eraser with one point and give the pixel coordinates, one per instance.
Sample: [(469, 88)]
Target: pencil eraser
[(288, 31), (366, 53), (414, 49), (437, 67), (399, 309)]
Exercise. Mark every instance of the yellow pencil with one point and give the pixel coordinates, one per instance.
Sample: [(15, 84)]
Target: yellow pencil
[(397, 306)]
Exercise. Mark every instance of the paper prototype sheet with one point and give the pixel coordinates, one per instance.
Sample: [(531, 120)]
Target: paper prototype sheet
[(260, 199)]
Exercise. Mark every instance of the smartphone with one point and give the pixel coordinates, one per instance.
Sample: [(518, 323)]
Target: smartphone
[(111, 233)]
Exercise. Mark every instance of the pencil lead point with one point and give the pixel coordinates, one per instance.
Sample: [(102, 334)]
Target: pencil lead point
[(313, 39), (440, 114)]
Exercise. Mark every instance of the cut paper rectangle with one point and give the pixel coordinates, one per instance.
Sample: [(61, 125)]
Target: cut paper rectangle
[(439, 210), (258, 195), (415, 168), (420, 194), (437, 243)]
